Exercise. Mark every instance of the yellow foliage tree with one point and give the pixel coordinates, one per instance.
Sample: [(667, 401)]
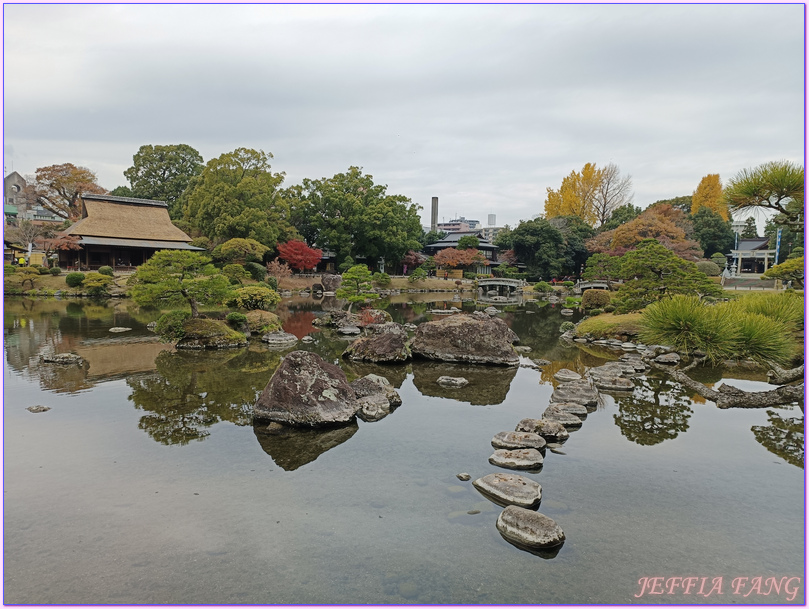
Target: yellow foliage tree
[(709, 194), (576, 196)]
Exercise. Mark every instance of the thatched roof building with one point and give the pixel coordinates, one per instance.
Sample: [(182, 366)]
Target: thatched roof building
[(122, 232)]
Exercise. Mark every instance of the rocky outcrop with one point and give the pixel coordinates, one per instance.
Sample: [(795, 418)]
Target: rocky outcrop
[(262, 322), (210, 334), (552, 431), (509, 489), (518, 439), (519, 458), (529, 529), (308, 392), (368, 390), (476, 339), (387, 344), (330, 282)]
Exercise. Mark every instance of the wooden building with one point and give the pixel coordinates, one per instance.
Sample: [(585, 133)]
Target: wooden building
[(121, 232)]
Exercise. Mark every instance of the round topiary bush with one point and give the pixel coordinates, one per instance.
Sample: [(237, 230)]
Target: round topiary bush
[(42, 270), (566, 326), (236, 319), (595, 311), (595, 299), (711, 269), (170, 325), (254, 297), (568, 284), (609, 308), (257, 271), (106, 270), (55, 271), (543, 286), (381, 279), (74, 280)]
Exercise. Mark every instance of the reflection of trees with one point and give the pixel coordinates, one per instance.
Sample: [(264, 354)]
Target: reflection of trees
[(657, 410), (488, 385), (540, 331), (782, 437), (191, 391), (292, 447)]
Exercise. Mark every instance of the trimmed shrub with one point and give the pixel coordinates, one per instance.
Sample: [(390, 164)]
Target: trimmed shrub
[(235, 273), (719, 259), (566, 325), (418, 274), (106, 270), (543, 286), (786, 308), (170, 325), (9, 269), (43, 270), (55, 271), (271, 282), (568, 284), (763, 338), (381, 279), (236, 319), (711, 269), (593, 312), (595, 299), (262, 322), (74, 280), (470, 275), (609, 308), (96, 284), (254, 297), (257, 271)]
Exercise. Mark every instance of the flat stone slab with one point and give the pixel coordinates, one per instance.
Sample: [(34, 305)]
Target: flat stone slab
[(553, 413), (518, 439), (348, 330), (62, 358), (452, 381), (552, 431), (120, 329), (279, 339), (579, 392), (519, 458), (566, 376), (614, 383), (529, 529), (509, 489), (577, 410), (668, 358)]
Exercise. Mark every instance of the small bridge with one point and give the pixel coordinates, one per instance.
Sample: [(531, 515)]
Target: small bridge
[(501, 285), (598, 284)]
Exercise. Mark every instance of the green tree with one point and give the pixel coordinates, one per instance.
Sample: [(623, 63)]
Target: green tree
[(620, 215), (575, 232), (776, 185), (356, 286), (603, 267), (789, 270), (504, 239), (174, 276), (122, 191), (712, 232), (237, 195), (750, 230), (350, 215), (240, 250), (652, 272), (682, 203), (468, 242), (431, 237), (540, 246), (162, 173)]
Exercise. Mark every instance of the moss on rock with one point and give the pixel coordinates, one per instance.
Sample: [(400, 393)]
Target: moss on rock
[(210, 334)]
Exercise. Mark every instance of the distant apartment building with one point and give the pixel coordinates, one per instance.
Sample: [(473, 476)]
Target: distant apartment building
[(459, 225)]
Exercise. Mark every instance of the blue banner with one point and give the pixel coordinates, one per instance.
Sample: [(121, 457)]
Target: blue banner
[(778, 245)]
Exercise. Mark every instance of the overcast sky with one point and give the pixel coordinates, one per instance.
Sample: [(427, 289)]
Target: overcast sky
[(483, 106)]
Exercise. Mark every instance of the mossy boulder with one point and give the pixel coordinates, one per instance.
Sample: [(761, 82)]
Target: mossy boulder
[(262, 322), (210, 334)]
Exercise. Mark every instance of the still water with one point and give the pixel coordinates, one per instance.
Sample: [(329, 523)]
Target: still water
[(147, 483)]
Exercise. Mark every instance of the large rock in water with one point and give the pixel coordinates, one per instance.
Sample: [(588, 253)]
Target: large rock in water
[(476, 339), (510, 489), (529, 529), (552, 431), (308, 392), (387, 344), (331, 282), (376, 397)]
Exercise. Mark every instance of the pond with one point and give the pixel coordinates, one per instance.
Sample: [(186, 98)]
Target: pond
[(146, 482)]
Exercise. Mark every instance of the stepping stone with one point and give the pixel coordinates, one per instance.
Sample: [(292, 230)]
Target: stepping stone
[(518, 439), (577, 410), (614, 383), (529, 529), (348, 330), (668, 359), (509, 489), (120, 329), (566, 376), (553, 413), (579, 392), (62, 358), (520, 458), (552, 431)]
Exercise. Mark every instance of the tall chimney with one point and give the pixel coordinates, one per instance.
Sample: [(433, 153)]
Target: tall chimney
[(434, 217)]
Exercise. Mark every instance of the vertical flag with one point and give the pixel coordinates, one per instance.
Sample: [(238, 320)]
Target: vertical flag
[(778, 245)]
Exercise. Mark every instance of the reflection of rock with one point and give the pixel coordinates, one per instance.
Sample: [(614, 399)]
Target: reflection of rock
[(528, 529), (307, 391), (331, 303), (209, 334), (476, 338), (783, 437), (291, 448), (510, 489), (486, 385), (518, 458)]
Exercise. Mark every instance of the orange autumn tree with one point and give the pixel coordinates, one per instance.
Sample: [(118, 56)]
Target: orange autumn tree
[(454, 258), (709, 194), (298, 255), (58, 188)]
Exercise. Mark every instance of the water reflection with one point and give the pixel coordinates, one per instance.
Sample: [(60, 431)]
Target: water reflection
[(191, 391), (659, 409), (290, 448), (488, 385), (784, 436)]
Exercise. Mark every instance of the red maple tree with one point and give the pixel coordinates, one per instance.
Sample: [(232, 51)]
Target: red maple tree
[(298, 255)]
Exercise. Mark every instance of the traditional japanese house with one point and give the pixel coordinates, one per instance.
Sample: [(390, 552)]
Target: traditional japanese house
[(121, 232)]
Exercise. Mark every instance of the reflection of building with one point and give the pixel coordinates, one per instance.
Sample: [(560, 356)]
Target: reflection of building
[(122, 232), (753, 255)]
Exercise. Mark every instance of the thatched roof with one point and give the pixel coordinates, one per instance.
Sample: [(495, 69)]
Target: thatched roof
[(126, 218)]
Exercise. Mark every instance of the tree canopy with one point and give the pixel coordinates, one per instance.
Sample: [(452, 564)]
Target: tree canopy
[(789, 270), (540, 246), (352, 216), (592, 194), (776, 185), (237, 195), (709, 194), (455, 257), (162, 173), (58, 188), (750, 230), (298, 255), (356, 286), (468, 242), (714, 234)]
